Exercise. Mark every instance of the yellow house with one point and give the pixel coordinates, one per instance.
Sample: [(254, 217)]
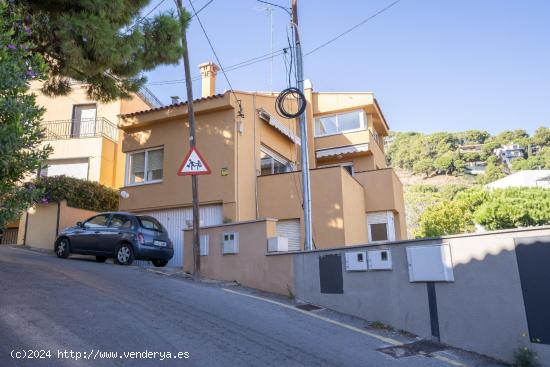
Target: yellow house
[(85, 136), (254, 156)]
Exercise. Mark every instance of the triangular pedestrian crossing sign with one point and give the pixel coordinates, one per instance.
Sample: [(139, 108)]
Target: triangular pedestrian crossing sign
[(194, 164)]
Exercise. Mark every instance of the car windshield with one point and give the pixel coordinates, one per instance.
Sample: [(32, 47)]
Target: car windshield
[(150, 223)]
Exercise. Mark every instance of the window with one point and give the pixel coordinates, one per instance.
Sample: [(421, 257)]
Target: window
[(379, 232), (84, 120), (121, 221), (97, 221), (145, 166), (348, 167), (271, 163), (381, 226), (342, 122), (150, 223)]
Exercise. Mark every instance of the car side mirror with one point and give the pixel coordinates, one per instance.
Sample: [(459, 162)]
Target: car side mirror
[(79, 224)]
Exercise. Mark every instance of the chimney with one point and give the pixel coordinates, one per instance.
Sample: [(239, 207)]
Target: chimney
[(175, 99), (208, 76)]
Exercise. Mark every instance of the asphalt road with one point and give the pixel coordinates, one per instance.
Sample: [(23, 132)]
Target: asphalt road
[(81, 306)]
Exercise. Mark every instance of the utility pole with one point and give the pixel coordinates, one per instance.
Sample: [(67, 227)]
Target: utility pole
[(308, 241), (192, 143)]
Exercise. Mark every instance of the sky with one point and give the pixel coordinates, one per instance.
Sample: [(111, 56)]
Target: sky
[(433, 65)]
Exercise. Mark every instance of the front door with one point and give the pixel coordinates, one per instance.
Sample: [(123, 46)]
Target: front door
[(84, 120)]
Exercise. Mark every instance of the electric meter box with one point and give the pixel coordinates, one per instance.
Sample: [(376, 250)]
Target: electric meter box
[(356, 261), (379, 259)]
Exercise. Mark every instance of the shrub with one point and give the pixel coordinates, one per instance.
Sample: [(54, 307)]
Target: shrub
[(78, 193)]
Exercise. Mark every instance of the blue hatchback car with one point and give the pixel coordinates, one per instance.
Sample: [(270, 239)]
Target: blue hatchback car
[(122, 236)]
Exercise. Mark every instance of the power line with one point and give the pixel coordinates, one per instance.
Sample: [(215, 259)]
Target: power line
[(237, 66), (217, 58), (277, 5), (201, 9), (138, 21), (354, 27)]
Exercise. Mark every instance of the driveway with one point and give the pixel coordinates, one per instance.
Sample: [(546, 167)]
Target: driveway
[(77, 311)]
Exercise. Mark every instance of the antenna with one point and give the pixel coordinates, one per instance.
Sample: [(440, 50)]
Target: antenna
[(269, 12)]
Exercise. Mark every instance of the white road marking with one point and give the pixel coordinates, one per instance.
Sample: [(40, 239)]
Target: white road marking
[(346, 326)]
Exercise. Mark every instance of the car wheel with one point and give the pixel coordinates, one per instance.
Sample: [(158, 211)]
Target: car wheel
[(62, 249), (100, 259), (125, 254), (159, 263)]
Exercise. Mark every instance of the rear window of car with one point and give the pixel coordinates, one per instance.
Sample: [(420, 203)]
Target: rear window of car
[(150, 223)]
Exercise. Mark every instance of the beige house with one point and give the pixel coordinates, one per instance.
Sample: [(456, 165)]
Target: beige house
[(84, 135), (85, 138), (254, 155)]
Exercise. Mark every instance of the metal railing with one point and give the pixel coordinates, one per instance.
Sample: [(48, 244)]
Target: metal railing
[(83, 128)]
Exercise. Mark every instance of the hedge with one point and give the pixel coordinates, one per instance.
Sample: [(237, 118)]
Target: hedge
[(78, 193)]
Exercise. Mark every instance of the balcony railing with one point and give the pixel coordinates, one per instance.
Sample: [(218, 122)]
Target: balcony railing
[(83, 128)]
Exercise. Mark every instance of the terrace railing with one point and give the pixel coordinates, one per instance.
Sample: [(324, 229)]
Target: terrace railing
[(83, 128)]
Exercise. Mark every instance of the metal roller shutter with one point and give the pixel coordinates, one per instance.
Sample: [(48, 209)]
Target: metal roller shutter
[(175, 221), (290, 228)]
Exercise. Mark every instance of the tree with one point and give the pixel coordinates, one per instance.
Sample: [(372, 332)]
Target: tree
[(20, 133), (424, 165), (541, 136), (493, 172), (474, 136), (444, 218), (515, 207), (103, 44), (444, 164)]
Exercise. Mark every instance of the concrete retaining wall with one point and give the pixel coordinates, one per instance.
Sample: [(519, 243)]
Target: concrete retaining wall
[(482, 310), (252, 266)]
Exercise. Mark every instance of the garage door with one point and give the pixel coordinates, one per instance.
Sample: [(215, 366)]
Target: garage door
[(290, 228), (175, 221)]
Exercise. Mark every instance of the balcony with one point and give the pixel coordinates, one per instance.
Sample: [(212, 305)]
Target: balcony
[(83, 128)]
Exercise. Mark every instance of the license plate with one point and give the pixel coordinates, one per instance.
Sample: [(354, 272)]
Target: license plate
[(159, 243)]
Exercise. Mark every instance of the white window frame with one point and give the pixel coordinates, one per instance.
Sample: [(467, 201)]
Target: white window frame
[(390, 226), (362, 120), (344, 164), (129, 162), (277, 157)]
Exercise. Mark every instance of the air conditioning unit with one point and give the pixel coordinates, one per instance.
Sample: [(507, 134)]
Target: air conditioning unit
[(277, 244), (379, 259), (230, 243), (356, 261)]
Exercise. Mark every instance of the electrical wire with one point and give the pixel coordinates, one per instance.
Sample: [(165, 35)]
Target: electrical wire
[(387, 7), (276, 5), (237, 66), (138, 21), (201, 9), (219, 62)]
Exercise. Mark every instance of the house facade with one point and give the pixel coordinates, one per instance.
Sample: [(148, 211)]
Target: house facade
[(254, 155), (509, 152), (84, 135)]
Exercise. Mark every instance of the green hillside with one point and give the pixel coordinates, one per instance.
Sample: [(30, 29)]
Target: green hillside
[(444, 196)]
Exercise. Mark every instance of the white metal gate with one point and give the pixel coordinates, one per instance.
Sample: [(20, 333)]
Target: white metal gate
[(290, 228), (176, 220)]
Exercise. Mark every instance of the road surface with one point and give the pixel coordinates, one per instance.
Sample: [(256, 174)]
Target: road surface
[(77, 310)]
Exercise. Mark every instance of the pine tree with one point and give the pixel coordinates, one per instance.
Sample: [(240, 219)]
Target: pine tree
[(103, 43)]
